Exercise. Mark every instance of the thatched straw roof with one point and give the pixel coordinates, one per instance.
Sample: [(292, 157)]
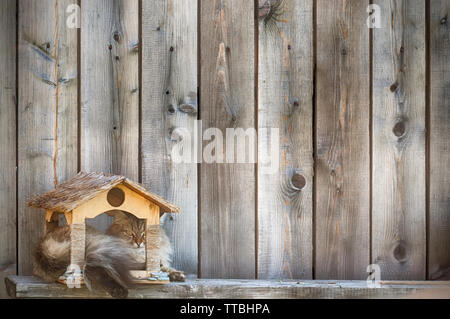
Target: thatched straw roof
[(84, 186)]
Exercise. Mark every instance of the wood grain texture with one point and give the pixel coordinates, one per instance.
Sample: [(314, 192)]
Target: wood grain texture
[(285, 88), (47, 111), (398, 201), (170, 108), (5, 271), (342, 218), (110, 89), (152, 246), (227, 191), (7, 140), (78, 244), (439, 223), (31, 287)]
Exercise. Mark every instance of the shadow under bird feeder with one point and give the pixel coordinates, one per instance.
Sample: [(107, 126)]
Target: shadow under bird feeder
[(88, 195)]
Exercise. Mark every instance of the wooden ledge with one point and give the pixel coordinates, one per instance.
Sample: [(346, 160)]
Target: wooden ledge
[(32, 287)]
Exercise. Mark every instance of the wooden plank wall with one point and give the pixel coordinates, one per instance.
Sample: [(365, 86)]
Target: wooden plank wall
[(169, 104), (227, 94), (285, 91), (439, 197), (47, 111), (342, 140), (363, 154), (7, 141), (110, 89), (399, 79)]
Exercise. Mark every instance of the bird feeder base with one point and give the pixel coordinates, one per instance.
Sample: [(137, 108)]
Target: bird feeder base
[(141, 277)]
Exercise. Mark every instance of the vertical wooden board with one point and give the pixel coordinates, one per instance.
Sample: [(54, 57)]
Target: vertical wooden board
[(439, 236), (7, 141), (110, 89), (47, 111), (285, 89), (169, 109), (343, 140), (227, 191), (398, 198)]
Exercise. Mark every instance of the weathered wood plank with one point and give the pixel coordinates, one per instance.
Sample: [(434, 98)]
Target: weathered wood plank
[(31, 287), (170, 107), (227, 191), (342, 218), (47, 115), (439, 245), (398, 201), (5, 271), (110, 89), (285, 88), (7, 140)]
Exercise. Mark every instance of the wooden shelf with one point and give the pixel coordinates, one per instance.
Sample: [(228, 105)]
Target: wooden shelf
[(32, 287)]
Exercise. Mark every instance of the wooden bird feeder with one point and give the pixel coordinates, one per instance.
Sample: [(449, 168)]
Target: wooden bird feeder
[(88, 195)]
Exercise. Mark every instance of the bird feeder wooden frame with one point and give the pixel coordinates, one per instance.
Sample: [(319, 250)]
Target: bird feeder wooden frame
[(88, 195)]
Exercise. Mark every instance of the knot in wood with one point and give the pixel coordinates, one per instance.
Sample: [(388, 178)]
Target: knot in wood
[(171, 109), (399, 129), (298, 181), (188, 108), (263, 9), (400, 251), (333, 173), (116, 36), (394, 87), (444, 20)]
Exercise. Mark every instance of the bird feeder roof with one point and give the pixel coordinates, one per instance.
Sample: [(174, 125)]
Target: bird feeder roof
[(84, 186)]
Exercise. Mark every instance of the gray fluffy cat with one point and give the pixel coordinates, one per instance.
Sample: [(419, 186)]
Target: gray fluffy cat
[(132, 230), (109, 257)]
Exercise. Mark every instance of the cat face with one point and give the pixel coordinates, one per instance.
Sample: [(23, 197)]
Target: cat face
[(136, 233), (134, 237), (129, 228)]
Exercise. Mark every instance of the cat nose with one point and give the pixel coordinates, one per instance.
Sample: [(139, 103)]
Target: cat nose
[(139, 241)]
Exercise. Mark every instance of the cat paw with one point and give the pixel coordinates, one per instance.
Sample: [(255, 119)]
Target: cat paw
[(177, 276)]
